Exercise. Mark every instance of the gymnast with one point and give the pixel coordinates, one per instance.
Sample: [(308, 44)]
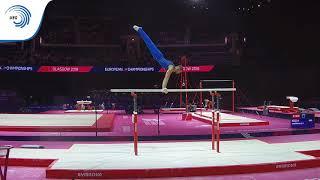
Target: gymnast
[(159, 57)]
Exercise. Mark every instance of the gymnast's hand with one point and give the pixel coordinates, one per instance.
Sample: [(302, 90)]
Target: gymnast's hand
[(164, 90)]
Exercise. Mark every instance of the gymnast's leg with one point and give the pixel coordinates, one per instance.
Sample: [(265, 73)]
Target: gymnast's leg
[(158, 56), (155, 52)]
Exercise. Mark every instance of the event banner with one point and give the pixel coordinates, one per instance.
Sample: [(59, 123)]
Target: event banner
[(194, 69), (98, 69)]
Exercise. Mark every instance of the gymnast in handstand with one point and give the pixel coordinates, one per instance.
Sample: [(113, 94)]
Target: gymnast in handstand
[(159, 57)]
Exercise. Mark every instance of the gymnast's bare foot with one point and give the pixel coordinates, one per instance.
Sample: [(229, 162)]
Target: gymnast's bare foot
[(136, 28)]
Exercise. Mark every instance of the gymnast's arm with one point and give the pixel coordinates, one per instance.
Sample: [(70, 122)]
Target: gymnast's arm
[(166, 78)]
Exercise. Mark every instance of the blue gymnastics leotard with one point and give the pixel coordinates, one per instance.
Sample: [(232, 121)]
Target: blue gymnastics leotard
[(155, 52)]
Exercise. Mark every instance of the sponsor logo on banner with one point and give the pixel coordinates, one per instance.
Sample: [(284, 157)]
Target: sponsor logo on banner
[(17, 68), (129, 69), (153, 122), (296, 116), (65, 69), (194, 69), (286, 166), (90, 174), (20, 19)]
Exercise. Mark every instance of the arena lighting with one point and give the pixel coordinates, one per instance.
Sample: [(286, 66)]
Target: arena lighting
[(196, 1), (198, 4)]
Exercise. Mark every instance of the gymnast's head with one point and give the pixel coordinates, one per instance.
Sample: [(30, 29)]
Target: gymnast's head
[(178, 69)]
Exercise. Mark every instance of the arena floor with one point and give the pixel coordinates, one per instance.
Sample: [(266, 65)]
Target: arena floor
[(229, 119), (117, 123), (48, 119), (170, 158), (75, 122)]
